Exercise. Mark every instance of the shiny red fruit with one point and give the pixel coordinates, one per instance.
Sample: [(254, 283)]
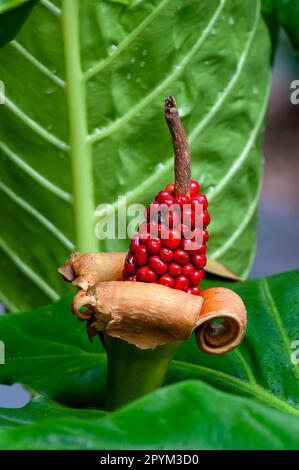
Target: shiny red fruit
[(152, 212), (153, 245), (181, 283), (145, 274), (169, 201), (202, 250), (135, 242), (172, 240), (194, 188), (194, 290), (166, 280), (157, 265), (185, 231), (166, 254), (200, 235), (175, 269), (188, 217), (129, 265), (132, 278), (196, 277), (163, 196), (199, 199), (140, 256), (199, 261), (170, 219), (182, 199), (188, 270), (191, 246), (206, 219), (181, 256), (170, 188)]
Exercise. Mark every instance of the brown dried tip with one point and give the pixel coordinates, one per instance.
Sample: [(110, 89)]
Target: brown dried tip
[(182, 156)]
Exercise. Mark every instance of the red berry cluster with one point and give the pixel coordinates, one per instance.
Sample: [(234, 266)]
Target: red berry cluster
[(167, 257)]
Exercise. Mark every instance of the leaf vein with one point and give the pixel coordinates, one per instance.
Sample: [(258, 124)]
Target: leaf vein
[(17, 160), (38, 216), (36, 63), (34, 126), (120, 122), (126, 42), (25, 269)]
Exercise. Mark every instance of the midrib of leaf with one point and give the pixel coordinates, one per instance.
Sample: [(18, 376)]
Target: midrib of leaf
[(80, 150)]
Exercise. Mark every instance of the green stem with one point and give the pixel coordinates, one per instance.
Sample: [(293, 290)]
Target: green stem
[(80, 150), (133, 372)]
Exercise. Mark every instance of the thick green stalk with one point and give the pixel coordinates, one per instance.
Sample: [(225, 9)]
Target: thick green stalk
[(80, 150), (133, 372)]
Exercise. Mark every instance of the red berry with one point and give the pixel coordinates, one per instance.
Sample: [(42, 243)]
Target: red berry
[(170, 188), (188, 270), (135, 241), (202, 250), (132, 278), (162, 231), (153, 245), (188, 217), (205, 236), (166, 280), (206, 218), (196, 277), (200, 235), (143, 233), (153, 229), (170, 201), (140, 256), (157, 265), (199, 199), (145, 274), (181, 256), (190, 245), (185, 231), (129, 265), (171, 219), (181, 283), (166, 254), (182, 199), (194, 290), (163, 196), (194, 188), (172, 239), (199, 261), (175, 269), (153, 211)]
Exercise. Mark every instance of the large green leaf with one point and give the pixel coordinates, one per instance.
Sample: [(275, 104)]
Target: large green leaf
[(13, 13), (254, 394), (41, 408), (191, 415), (85, 125), (284, 13)]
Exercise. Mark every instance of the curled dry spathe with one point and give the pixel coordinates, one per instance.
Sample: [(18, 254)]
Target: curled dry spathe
[(149, 315)]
